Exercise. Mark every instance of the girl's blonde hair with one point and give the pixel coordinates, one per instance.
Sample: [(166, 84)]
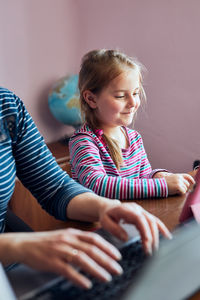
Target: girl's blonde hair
[(98, 69)]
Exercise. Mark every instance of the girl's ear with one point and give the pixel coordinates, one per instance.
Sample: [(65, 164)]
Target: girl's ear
[(90, 99)]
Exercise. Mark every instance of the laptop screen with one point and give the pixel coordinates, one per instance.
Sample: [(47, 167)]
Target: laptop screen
[(174, 271)]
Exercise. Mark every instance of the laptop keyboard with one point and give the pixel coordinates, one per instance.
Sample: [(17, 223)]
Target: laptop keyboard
[(132, 260)]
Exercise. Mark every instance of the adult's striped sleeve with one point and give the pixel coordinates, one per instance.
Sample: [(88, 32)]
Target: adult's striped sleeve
[(37, 168)]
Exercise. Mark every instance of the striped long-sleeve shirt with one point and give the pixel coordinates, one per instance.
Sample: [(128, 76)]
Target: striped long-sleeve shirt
[(24, 153), (93, 167)]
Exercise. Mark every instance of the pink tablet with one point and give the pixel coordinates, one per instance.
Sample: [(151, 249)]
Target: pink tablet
[(191, 206)]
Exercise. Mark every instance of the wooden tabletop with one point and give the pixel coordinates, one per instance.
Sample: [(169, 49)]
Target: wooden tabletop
[(58, 149), (167, 209)]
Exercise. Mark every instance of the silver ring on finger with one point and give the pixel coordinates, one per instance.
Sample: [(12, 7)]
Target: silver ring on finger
[(73, 253)]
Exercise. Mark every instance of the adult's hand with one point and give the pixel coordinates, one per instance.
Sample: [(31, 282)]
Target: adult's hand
[(61, 250), (132, 213)]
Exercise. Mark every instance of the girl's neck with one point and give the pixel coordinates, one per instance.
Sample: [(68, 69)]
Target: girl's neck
[(112, 132), (118, 134)]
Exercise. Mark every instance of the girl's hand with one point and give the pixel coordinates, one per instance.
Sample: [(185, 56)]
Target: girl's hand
[(179, 183), (161, 174), (61, 250), (147, 224)]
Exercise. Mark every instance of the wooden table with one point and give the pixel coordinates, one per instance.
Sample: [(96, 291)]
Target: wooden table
[(167, 209), (27, 208)]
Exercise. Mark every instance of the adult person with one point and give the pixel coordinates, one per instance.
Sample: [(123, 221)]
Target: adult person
[(24, 153)]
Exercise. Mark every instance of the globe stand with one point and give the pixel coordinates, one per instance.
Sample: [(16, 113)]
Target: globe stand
[(65, 139)]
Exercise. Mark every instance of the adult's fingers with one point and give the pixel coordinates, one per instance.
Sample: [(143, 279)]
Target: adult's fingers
[(68, 271), (156, 225), (145, 231), (141, 224), (133, 214), (95, 253), (86, 263), (147, 224), (163, 229), (154, 230), (98, 241), (114, 228)]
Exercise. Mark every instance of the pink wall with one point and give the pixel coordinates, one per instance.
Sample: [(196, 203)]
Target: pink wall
[(42, 41), (38, 45)]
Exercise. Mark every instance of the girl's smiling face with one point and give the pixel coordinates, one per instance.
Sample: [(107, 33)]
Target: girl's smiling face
[(116, 104)]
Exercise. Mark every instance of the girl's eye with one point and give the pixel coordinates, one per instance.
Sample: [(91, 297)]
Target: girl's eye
[(120, 97), (135, 94)]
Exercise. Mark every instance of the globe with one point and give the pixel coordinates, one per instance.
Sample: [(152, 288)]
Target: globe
[(63, 101)]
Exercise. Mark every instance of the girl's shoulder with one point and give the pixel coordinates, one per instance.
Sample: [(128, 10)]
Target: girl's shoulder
[(85, 133), (84, 130)]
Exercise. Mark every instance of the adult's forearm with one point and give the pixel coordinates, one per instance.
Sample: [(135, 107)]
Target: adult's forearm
[(88, 207)]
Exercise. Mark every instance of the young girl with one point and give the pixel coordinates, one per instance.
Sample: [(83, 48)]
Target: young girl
[(107, 156)]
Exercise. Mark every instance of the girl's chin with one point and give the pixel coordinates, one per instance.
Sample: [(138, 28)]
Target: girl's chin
[(128, 122)]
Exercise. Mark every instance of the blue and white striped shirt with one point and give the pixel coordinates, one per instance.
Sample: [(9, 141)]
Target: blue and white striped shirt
[(24, 153)]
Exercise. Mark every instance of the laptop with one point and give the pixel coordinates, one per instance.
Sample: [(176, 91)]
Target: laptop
[(172, 273)]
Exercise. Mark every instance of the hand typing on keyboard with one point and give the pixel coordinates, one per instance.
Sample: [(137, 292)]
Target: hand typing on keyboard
[(60, 251), (132, 213)]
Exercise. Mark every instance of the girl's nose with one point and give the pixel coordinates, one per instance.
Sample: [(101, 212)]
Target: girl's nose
[(132, 101)]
